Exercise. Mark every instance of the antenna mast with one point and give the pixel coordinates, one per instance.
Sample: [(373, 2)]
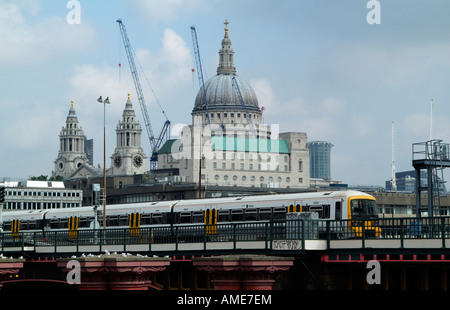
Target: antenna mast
[(432, 119), (393, 178)]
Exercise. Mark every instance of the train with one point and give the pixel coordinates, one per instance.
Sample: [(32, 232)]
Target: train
[(354, 208)]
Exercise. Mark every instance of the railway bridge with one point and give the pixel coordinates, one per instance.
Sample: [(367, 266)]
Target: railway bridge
[(403, 253)]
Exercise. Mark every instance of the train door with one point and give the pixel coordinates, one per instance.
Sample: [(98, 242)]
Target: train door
[(73, 227), (210, 221), (15, 229), (134, 223), (294, 207)]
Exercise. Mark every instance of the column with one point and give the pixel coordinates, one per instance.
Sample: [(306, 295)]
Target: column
[(243, 272)]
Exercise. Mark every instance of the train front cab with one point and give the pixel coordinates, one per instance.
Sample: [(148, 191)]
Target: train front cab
[(363, 216)]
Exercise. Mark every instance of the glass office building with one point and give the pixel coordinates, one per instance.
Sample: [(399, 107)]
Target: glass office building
[(320, 159)]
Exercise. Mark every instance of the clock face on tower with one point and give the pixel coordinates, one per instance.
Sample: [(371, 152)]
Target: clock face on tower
[(137, 161), (118, 161)]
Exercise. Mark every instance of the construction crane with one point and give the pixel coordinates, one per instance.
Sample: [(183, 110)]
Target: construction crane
[(241, 99), (155, 143), (200, 73)]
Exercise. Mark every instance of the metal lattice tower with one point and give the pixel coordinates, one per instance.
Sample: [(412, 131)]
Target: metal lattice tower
[(432, 156)]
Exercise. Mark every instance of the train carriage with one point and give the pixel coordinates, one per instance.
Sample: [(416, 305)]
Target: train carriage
[(214, 213)]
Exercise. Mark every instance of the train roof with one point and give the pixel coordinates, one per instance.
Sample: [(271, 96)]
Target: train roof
[(288, 198), (166, 206)]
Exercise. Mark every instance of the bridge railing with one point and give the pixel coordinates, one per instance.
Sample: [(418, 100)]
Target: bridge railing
[(299, 229)]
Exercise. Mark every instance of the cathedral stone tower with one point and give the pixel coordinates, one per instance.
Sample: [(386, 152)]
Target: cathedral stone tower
[(128, 157), (71, 154)]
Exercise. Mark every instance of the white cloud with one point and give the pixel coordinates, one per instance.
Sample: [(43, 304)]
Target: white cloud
[(27, 40), (165, 69), (318, 120), (32, 131), (168, 71), (264, 93), (169, 66)]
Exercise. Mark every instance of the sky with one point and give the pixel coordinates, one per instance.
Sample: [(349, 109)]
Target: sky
[(321, 67)]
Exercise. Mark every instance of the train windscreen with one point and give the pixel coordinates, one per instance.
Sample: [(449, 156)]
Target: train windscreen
[(363, 209)]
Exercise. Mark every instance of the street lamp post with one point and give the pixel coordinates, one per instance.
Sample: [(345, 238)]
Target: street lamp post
[(106, 101)]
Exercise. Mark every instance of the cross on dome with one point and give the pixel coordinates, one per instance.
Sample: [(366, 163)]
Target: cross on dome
[(226, 28)]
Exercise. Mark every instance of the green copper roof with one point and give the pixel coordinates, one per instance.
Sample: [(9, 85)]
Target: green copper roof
[(167, 147), (249, 145), (238, 145)]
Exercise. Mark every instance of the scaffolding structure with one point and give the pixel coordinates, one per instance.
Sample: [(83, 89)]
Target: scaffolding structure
[(432, 156)]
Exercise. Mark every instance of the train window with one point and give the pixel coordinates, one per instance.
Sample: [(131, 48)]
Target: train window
[(26, 225), (279, 213), (112, 221), (123, 220), (323, 211), (83, 222), (157, 218), (338, 215), (7, 226), (197, 217), (265, 214), (250, 215), (237, 215), (54, 223), (185, 217), (146, 219), (315, 208), (63, 223), (223, 216)]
